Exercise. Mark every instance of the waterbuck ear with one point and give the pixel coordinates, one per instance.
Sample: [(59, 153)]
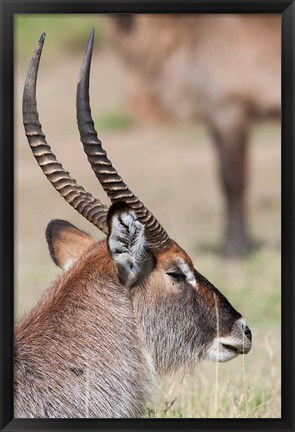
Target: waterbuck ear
[(128, 246), (66, 243)]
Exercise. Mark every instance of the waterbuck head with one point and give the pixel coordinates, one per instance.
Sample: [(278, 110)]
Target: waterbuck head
[(181, 316)]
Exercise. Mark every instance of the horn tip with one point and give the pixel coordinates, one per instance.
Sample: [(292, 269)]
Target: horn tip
[(42, 38), (91, 37)]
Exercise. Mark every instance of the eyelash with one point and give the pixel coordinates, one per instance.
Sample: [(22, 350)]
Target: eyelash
[(178, 276)]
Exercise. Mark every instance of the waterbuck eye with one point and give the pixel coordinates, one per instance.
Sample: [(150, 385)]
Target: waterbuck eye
[(177, 275)]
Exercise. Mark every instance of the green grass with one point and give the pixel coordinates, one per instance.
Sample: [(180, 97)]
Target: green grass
[(113, 120), (230, 393), (63, 32)]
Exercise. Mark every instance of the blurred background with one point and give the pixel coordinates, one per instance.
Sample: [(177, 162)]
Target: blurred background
[(187, 109)]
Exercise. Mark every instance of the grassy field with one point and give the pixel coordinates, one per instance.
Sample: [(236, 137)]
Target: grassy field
[(172, 168)]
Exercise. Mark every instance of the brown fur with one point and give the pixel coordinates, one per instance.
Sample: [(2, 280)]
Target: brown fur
[(82, 326), (66, 242)]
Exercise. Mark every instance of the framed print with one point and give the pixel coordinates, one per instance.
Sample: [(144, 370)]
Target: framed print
[(147, 215)]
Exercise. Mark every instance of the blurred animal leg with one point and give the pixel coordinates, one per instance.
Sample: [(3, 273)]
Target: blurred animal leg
[(230, 132)]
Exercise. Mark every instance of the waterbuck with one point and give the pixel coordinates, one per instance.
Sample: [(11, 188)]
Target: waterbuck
[(126, 309)]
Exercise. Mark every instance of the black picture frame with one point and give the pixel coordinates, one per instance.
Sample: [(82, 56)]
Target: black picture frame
[(10, 7)]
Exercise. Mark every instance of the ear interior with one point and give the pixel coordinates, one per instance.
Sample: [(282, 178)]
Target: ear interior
[(128, 245), (66, 243)]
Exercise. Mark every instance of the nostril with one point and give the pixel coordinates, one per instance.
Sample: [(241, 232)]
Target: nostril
[(248, 332)]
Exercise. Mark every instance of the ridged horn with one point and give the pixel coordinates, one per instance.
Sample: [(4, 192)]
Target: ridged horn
[(89, 207), (108, 177)]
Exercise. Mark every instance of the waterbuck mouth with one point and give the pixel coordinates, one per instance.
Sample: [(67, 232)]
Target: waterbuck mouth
[(236, 349), (226, 348), (232, 348)]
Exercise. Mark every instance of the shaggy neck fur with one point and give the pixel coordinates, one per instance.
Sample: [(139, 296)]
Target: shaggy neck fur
[(79, 352)]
